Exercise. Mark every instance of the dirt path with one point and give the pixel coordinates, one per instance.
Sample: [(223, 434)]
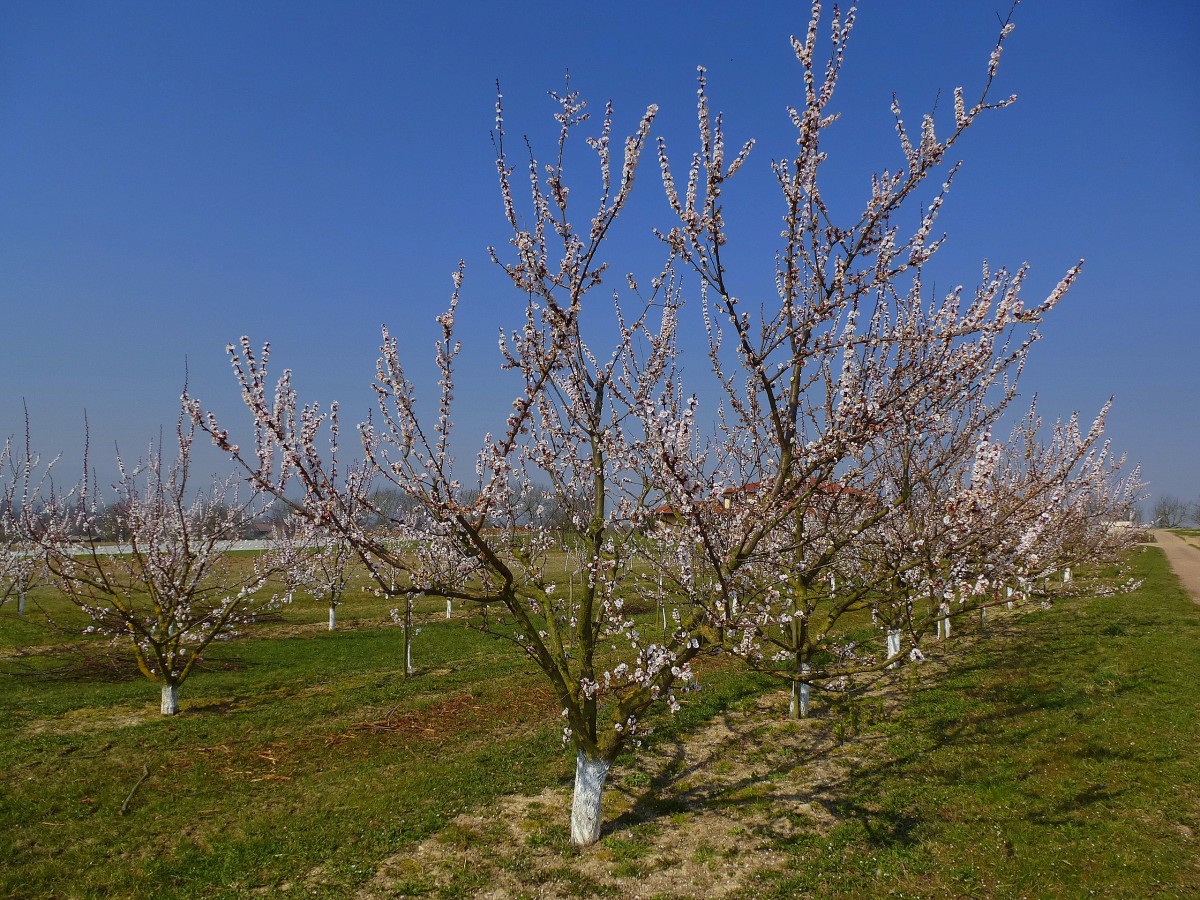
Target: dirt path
[(1184, 559)]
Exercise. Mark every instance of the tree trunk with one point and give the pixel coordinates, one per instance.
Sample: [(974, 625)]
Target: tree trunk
[(943, 622), (408, 666), (662, 605), (21, 605), (590, 775), (170, 700), (332, 617), (801, 694), (893, 647), (449, 607)]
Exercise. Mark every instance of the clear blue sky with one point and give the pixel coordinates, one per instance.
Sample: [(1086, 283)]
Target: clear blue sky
[(175, 175)]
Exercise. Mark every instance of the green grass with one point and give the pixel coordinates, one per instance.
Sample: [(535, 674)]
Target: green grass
[(299, 761), (271, 771), (1060, 761)]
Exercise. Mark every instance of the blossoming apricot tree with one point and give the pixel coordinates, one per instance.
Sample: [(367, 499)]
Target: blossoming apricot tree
[(318, 562), (983, 530), (170, 588), (575, 425), (751, 527), (19, 565), (854, 370)]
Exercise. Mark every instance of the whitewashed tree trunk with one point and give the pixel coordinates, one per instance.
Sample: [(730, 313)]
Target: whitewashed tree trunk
[(449, 607), (408, 636), (662, 606), (590, 775), (170, 700), (332, 618), (983, 615), (943, 622), (1067, 576), (1010, 599), (21, 605), (893, 647), (801, 695)]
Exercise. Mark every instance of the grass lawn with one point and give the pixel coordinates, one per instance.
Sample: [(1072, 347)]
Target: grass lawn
[(1059, 757), (303, 758), (1060, 761)]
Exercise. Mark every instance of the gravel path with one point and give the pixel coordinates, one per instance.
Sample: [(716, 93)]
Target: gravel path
[(1184, 560)]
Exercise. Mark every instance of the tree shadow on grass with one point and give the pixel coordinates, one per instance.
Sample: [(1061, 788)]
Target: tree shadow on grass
[(94, 664), (1004, 688)]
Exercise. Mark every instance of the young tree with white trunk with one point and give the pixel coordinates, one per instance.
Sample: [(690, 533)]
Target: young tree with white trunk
[(19, 492), (763, 518), (170, 588), (319, 562), (575, 424), (1053, 498), (826, 385)]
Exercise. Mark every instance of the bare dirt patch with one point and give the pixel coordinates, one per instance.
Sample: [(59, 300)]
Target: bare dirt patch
[(449, 719), (90, 718)]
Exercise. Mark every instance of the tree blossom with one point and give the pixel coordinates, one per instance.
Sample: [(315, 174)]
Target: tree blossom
[(169, 588), (761, 530), (20, 490)]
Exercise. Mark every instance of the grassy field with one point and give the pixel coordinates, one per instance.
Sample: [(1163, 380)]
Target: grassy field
[(1061, 761), (1057, 759), (305, 754)]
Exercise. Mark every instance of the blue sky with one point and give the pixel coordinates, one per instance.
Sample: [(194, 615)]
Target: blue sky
[(175, 175)]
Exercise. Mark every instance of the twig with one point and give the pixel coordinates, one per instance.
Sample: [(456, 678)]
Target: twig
[(145, 775)]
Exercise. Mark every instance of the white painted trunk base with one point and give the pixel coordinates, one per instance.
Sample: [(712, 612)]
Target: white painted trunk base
[(21, 605), (170, 700), (943, 622), (801, 697), (590, 775), (449, 607), (408, 666), (893, 647), (332, 618)]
